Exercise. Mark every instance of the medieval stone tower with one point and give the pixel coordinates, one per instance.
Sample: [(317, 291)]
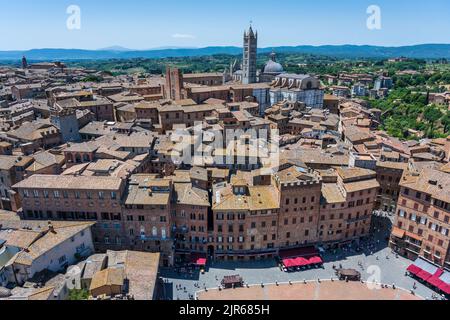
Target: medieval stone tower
[(249, 58)]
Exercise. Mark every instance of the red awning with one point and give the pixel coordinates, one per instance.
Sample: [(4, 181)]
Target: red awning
[(201, 262), (414, 269), (297, 262), (315, 260), (434, 280), (445, 287), (424, 275), (198, 259), (288, 263), (300, 262)]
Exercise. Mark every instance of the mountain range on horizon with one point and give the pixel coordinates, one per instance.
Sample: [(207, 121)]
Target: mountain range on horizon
[(423, 51)]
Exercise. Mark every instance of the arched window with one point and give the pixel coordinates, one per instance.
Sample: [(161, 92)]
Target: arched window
[(155, 232), (163, 233)]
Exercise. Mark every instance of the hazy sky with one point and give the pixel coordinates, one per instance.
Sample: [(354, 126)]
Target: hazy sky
[(139, 24)]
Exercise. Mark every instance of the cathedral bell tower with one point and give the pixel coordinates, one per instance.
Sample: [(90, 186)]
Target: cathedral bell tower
[(249, 56)]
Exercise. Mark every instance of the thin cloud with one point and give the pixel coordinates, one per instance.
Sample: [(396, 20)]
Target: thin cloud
[(183, 36)]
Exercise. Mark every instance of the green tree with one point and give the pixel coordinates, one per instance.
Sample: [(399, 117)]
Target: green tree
[(77, 295), (432, 114), (446, 122)]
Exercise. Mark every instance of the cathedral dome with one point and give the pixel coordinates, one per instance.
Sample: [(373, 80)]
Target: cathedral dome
[(272, 66)]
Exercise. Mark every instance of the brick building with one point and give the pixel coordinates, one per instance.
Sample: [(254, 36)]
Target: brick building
[(422, 222)]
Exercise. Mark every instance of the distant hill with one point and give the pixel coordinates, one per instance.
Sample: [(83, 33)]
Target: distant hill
[(426, 51), (116, 48)]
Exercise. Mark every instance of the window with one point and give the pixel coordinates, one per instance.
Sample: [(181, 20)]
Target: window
[(401, 213), (105, 216), (101, 195), (56, 194), (113, 195)]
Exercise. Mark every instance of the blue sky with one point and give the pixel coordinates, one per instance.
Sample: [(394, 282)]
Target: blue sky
[(140, 24)]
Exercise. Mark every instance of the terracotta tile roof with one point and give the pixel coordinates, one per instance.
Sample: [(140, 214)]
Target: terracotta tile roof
[(108, 277), (186, 194), (361, 185), (54, 182), (19, 238), (430, 181), (49, 241), (332, 193)]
